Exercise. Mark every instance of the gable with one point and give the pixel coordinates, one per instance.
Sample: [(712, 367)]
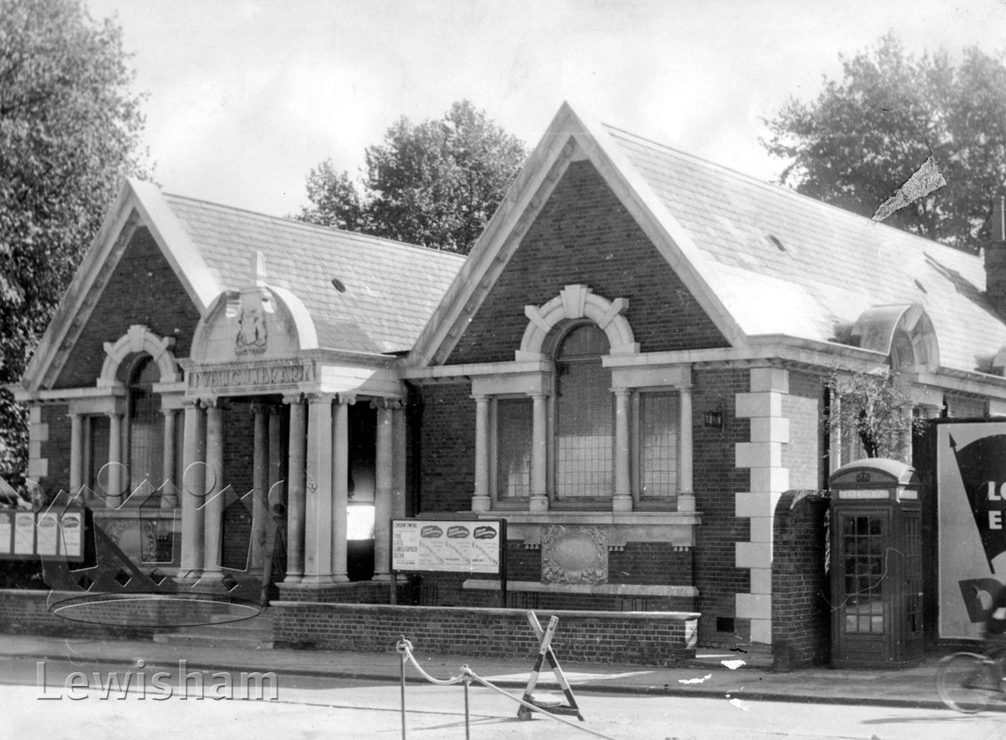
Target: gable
[(143, 289), (583, 234)]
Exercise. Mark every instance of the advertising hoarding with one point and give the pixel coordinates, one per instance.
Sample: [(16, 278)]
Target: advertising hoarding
[(451, 545), (971, 480), (44, 534)]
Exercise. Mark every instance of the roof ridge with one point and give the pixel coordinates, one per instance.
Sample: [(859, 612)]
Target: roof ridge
[(290, 222), (786, 191)]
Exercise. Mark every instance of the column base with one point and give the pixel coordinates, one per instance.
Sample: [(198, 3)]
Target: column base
[(686, 502), (326, 580), (381, 578), (481, 503), (621, 502), (213, 585), (538, 503), (188, 578), (293, 578)]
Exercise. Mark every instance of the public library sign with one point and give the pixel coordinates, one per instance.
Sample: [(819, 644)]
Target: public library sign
[(251, 377)]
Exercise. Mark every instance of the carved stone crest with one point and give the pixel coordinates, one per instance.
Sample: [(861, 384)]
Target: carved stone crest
[(251, 336), (574, 554)]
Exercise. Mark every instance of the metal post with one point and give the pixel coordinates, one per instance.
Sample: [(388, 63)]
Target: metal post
[(404, 656), (467, 727)]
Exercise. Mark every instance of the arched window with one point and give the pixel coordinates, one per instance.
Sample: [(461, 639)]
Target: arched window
[(146, 426), (584, 416)]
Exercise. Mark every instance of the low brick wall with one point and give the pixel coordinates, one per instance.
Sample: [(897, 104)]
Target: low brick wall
[(645, 638), (801, 626), (116, 616)]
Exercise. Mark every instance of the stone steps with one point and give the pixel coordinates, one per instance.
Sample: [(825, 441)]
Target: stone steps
[(251, 634)]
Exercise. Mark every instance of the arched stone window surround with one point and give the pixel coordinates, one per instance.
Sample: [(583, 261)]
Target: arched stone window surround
[(139, 340), (577, 302)]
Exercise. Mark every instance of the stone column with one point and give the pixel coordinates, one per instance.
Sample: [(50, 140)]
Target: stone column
[(398, 454), (686, 491), (296, 501), (835, 442), (908, 416), (340, 485), (114, 494), (480, 499), (260, 483), (193, 487), (169, 493), (622, 499), (76, 454), (276, 492), (383, 481), (539, 454), (213, 532), (318, 555)]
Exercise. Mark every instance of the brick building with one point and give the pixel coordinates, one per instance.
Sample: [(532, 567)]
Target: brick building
[(630, 368)]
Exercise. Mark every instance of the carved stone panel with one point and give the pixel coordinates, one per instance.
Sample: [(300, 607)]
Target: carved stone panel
[(574, 554)]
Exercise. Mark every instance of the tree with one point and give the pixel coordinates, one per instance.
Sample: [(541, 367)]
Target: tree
[(869, 407), (865, 135), (436, 183), (68, 129)]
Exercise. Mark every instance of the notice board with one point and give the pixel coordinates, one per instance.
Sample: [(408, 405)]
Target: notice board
[(450, 545)]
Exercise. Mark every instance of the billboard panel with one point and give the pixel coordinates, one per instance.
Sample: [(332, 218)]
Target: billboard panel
[(971, 480), (452, 545)]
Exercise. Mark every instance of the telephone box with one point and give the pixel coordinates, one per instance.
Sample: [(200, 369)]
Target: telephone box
[(876, 565)]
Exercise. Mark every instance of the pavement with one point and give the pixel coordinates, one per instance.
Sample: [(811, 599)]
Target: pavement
[(727, 674)]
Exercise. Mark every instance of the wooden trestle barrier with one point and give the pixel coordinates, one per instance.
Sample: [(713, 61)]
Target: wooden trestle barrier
[(545, 652)]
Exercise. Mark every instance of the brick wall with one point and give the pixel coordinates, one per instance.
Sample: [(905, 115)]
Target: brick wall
[(143, 289), (965, 407), (590, 637), (717, 480), (447, 467), (804, 453), (30, 612), (56, 448), (801, 628), (583, 234), (358, 592)]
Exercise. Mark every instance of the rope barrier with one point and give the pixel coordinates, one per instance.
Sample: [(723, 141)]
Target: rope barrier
[(404, 648)]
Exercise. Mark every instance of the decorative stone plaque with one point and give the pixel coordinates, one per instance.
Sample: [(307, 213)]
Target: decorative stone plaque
[(574, 554)]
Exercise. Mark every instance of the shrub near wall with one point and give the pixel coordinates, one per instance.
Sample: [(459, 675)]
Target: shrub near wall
[(644, 638), (801, 625)]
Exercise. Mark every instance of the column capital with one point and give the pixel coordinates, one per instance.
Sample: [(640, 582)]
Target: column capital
[(622, 392), (316, 399), (190, 403), (389, 404), (212, 402), (347, 399), (293, 398)]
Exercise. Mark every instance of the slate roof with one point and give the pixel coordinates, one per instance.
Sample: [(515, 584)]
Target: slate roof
[(391, 288), (787, 264)]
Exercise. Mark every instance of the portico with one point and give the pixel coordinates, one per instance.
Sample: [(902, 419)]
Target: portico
[(259, 347)]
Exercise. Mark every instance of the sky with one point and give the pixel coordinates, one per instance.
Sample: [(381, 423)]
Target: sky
[(244, 97)]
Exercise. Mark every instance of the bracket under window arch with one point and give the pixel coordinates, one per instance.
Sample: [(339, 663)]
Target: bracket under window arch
[(577, 302), (139, 339)]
